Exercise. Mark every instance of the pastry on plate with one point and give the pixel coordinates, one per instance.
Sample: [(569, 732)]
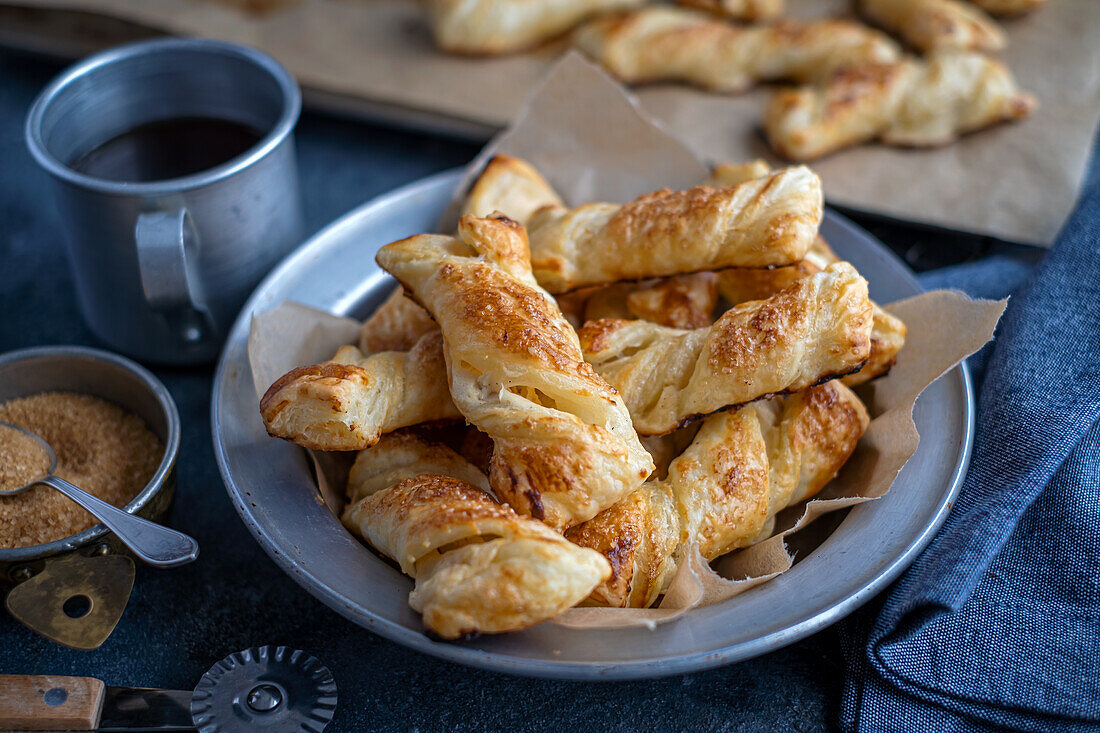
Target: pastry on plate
[(504, 26), (396, 325), (815, 330), (760, 223), (681, 301), (564, 448), (908, 103), (747, 10), (663, 43), (937, 25), (722, 492), (511, 186), (347, 403), (479, 567)]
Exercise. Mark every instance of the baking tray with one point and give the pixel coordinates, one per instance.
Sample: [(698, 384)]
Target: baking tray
[(271, 485)]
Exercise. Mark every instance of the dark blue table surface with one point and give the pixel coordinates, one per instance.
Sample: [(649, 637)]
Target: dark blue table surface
[(179, 622)]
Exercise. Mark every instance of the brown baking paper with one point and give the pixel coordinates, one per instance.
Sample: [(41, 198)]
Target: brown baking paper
[(555, 131), (1017, 182)]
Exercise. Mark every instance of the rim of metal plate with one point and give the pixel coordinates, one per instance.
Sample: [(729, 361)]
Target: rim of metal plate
[(260, 499)]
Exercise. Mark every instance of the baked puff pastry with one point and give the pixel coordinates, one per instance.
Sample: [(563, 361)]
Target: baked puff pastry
[(564, 447), (937, 25), (511, 186), (817, 329), (504, 26), (760, 223), (909, 103), (396, 325), (661, 43), (347, 403), (724, 490), (682, 301), (747, 10), (479, 567)]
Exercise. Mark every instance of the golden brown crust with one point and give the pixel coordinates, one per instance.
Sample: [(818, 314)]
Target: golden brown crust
[(937, 25), (909, 103), (511, 186), (723, 492), (662, 43), (349, 402), (748, 10), (760, 223), (396, 325), (681, 301), (479, 567), (505, 26), (564, 448), (818, 328), (401, 455)]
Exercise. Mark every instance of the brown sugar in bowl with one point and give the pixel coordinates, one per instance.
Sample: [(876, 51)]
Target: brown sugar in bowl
[(116, 380)]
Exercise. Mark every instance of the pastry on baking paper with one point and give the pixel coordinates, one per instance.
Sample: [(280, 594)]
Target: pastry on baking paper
[(760, 223), (937, 25), (748, 10), (662, 43), (817, 329), (479, 567), (724, 490), (349, 402), (564, 448), (909, 103), (396, 325), (504, 26), (1008, 7), (681, 301), (511, 186)]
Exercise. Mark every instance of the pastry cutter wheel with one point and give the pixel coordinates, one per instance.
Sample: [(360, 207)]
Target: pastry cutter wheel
[(269, 688)]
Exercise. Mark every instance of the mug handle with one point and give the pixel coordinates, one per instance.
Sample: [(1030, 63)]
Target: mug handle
[(166, 248)]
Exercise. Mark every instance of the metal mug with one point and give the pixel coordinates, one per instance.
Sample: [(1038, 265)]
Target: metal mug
[(162, 267)]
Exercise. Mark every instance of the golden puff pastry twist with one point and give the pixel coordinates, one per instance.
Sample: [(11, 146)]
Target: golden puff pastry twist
[(724, 490), (511, 186), (662, 43), (402, 454), (747, 10), (564, 447), (815, 330), (681, 301), (1008, 7), (396, 325), (347, 403), (479, 567), (909, 103), (937, 25), (760, 223), (504, 26)]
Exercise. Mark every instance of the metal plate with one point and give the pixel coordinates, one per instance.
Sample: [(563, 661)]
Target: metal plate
[(270, 484)]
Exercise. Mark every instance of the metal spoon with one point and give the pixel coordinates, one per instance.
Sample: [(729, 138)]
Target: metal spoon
[(152, 543)]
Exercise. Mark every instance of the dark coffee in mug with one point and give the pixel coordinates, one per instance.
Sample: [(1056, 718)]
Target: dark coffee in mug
[(165, 149)]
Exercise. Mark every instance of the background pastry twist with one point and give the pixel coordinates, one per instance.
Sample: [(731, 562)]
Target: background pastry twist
[(564, 446), (662, 43), (937, 25), (910, 103)]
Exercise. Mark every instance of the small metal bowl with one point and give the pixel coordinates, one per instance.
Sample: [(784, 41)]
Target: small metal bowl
[(92, 566)]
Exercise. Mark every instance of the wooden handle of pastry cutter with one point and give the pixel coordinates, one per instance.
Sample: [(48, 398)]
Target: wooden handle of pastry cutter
[(47, 702)]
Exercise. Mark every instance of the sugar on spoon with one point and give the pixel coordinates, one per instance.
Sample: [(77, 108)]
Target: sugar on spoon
[(152, 543)]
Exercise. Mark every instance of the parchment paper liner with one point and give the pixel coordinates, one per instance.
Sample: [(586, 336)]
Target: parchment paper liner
[(623, 156), (1015, 181)]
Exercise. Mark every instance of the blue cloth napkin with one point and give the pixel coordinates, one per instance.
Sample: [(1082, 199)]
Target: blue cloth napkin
[(997, 624)]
